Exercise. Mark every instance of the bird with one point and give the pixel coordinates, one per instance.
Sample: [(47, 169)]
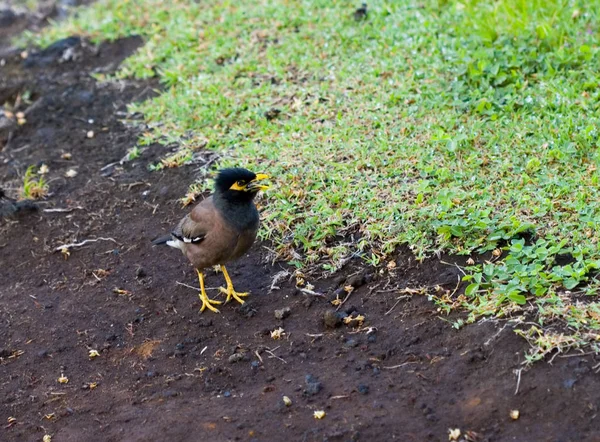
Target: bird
[(220, 229)]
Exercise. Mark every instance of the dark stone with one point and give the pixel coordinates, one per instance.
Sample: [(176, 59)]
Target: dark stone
[(312, 385), (331, 319), (356, 281), (361, 13), (363, 389), (351, 343), (140, 272), (272, 113), (7, 18)]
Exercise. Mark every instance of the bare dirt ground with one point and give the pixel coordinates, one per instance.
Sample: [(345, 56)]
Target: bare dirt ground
[(167, 372)]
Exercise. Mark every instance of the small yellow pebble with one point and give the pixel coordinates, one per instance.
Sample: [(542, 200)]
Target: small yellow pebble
[(11, 419), (21, 121), (277, 334), (320, 414), (287, 401), (66, 156), (453, 434), (44, 169), (93, 354), (93, 385), (63, 379), (71, 173), (90, 134), (514, 414), (47, 438)]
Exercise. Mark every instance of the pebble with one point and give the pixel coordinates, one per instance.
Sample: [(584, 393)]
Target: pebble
[(356, 280), (351, 343), (363, 389), (333, 319), (227, 394), (313, 385), (282, 313), (236, 357)]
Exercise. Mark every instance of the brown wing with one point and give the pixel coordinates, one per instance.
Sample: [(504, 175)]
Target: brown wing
[(205, 238), (194, 227)]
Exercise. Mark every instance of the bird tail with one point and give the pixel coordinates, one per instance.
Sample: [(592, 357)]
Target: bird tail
[(11, 207), (162, 240)]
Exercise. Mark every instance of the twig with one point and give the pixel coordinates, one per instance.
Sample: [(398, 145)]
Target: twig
[(397, 302), (278, 277), (274, 355), (310, 292), (311, 335), (195, 288), (400, 365), (62, 210), (345, 299), (518, 372), (82, 243), (258, 356)]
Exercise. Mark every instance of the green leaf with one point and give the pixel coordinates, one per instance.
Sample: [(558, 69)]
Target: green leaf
[(471, 289), (517, 297)]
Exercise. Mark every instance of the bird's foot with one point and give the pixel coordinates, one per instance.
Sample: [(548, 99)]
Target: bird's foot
[(231, 293), (207, 303)]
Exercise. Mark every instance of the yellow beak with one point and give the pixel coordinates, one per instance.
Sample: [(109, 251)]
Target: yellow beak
[(254, 183)]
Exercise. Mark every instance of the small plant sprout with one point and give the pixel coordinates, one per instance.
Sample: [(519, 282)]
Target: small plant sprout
[(33, 187)]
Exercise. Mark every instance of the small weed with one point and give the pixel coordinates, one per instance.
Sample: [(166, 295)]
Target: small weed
[(34, 187)]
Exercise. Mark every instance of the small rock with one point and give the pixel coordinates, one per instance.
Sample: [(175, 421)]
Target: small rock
[(42, 353), (363, 389), (255, 365), (150, 374), (361, 13), (227, 393), (356, 281), (351, 343), (569, 383), (272, 113), (333, 319), (7, 18), (282, 313), (236, 357), (313, 386)]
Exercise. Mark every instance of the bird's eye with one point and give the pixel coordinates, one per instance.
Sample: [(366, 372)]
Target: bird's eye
[(241, 183)]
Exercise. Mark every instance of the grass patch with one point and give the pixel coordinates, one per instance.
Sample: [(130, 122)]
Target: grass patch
[(452, 126)]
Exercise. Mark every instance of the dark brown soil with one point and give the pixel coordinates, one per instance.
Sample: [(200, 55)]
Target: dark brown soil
[(167, 372)]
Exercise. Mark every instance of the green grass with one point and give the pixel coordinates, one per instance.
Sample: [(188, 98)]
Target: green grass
[(449, 126)]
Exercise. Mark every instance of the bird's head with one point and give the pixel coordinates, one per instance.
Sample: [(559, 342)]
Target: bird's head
[(238, 184)]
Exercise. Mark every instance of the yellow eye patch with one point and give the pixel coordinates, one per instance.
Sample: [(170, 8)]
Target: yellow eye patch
[(238, 185)]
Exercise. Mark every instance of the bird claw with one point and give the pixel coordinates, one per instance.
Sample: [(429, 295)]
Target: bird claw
[(231, 293), (207, 304)]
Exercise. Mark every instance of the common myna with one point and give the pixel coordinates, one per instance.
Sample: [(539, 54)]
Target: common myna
[(220, 229)]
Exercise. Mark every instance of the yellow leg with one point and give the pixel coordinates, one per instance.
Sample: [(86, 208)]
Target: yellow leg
[(206, 302), (229, 291)]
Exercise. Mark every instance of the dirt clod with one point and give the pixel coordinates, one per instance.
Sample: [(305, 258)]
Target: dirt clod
[(282, 313)]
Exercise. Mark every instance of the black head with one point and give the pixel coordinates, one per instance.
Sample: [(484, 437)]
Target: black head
[(238, 184)]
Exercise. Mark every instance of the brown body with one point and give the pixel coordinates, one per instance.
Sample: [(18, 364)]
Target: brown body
[(221, 241)]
